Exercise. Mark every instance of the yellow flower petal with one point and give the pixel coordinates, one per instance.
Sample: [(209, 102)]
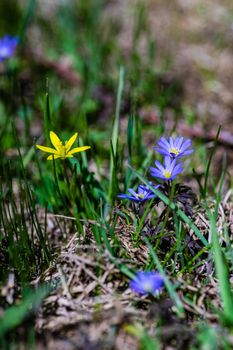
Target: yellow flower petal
[(71, 141), (47, 149), (55, 140), (53, 156), (78, 149)]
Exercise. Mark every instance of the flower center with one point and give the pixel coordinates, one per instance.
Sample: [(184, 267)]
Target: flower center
[(167, 174), (147, 287), (141, 195), (62, 151), (4, 51), (174, 151)]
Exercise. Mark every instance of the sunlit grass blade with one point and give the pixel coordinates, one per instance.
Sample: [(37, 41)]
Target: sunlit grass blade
[(115, 131), (114, 140), (222, 269), (222, 272), (113, 186)]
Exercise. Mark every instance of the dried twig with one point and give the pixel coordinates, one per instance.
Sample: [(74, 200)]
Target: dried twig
[(63, 67), (225, 137)]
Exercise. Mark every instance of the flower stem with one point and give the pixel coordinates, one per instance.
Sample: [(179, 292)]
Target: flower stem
[(171, 192), (66, 175)]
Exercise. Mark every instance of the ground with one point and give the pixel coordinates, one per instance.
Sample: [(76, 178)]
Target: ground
[(69, 247)]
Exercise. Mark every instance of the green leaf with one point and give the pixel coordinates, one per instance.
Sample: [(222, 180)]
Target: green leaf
[(15, 315)]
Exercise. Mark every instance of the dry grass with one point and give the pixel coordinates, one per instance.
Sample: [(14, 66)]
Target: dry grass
[(91, 305)]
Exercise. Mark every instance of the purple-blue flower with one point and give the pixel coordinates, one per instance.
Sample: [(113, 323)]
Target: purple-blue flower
[(175, 148), (7, 46), (143, 194), (148, 282), (168, 171)]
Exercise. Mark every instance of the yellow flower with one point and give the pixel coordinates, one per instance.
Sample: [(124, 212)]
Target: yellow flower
[(61, 150)]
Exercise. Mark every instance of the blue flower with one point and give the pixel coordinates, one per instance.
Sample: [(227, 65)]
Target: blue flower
[(149, 282), (175, 148), (143, 194), (7, 46), (168, 171)]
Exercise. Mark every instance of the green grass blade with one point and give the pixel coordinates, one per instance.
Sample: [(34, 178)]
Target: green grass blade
[(130, 137), (171, 290), (47, 115), (209, 163), (115, 131), (27, 19), (142, 220), (14, 315), (219, 257), (114, 140), (222, 273)]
